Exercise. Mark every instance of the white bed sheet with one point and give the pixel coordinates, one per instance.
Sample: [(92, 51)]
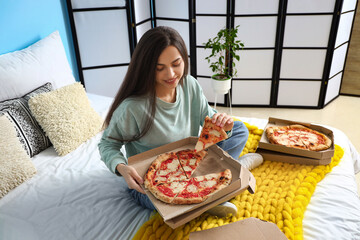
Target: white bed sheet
[(71, 197), (77, 197)]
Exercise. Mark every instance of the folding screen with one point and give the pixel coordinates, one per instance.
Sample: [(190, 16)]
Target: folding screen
[(142, 19), (101, 32), (294, 53)]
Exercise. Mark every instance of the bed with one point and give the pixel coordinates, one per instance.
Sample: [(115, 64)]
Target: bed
[(75, 196)]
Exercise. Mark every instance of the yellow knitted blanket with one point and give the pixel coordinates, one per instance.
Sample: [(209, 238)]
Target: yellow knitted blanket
[(283, 191)]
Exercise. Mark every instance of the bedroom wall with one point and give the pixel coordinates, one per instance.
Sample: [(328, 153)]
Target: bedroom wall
[(24, 22)]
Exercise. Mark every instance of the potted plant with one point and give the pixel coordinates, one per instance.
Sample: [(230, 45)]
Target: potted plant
[(224, 47)]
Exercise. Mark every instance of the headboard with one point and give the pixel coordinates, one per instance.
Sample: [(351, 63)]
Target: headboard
[(25, 22)]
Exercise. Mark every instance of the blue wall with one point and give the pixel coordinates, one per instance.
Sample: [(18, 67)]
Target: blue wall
[(24, 22)]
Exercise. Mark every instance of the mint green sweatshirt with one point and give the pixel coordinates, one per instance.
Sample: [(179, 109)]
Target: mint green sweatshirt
[(173, 121)]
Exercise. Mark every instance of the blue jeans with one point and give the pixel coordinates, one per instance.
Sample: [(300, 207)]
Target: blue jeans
[(236, 143), (141, 199), (233, 145)]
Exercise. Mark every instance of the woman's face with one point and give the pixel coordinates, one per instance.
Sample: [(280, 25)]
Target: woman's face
[(169, 69)]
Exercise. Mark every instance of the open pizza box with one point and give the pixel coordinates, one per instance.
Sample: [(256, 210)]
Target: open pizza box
[(247, 229), (281, 153), (217, 160)]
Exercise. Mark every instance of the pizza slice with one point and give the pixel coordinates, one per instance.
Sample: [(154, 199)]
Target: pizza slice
[(199, 189), (210, 135), (166, 192), (165, 168), (189, 160)]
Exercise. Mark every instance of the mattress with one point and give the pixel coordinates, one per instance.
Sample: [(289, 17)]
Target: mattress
[(77, 197)]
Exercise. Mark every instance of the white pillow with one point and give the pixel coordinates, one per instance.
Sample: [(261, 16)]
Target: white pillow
[(27, 69)]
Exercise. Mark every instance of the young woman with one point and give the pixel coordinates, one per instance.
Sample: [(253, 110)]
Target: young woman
[(158, 103)]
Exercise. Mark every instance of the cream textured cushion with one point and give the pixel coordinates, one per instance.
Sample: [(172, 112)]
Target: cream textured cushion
[(66, 117), (15, 165)]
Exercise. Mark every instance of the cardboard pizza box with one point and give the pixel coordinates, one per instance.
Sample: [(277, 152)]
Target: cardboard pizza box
[(288, 158), (247, 229), (325, 154), (217, 160)]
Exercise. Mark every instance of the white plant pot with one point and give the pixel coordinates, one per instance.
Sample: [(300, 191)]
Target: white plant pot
[(221, 86)]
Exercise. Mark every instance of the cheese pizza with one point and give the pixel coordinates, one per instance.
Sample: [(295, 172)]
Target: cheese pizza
[(165, 168), (190, 159), (198, 189), (169, 178), (298, 136), (210, 135)]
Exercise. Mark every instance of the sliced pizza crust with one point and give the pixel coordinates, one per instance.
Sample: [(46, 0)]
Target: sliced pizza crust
[(168, 178), (166, 192), (165, 168), (210, 135), (201, 188), (190, 159)]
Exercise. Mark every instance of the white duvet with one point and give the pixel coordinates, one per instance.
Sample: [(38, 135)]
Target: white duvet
[(77, 197)]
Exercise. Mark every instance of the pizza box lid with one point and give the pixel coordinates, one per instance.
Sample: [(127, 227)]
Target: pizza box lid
[(289, 158), (250, 228), (325, 154), (217, 160)]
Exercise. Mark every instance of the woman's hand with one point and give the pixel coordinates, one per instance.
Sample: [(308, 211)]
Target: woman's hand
[(132, 178), (223, 120)]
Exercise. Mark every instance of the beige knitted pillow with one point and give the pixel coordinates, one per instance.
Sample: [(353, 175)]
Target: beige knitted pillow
[(15, 165), (66, 117)]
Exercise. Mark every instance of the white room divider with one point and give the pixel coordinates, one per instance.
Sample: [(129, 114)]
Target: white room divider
[(294, 54)]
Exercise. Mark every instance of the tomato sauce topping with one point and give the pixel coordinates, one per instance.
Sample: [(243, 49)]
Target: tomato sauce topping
[(166, 190)]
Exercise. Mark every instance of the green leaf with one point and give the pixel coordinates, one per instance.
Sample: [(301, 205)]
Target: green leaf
[(225, 44)]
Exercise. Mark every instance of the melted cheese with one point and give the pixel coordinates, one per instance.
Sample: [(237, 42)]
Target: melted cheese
[(208, 184), (200, 178), (215, 133), (192, 188), (172, 166), (162, 172), (209, 177), (187, 168), (160, 179), (199, 146), (177, 186), (192, 161)]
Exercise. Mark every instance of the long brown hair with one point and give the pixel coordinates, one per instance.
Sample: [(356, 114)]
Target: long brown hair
[(140, 77)]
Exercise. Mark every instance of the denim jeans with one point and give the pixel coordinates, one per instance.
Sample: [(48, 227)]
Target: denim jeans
[(233, 145), (236, 143)]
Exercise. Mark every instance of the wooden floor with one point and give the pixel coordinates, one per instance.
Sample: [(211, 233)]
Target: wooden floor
[(351, 80)]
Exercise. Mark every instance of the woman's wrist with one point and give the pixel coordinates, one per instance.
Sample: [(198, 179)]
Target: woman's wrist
[(118, 169)]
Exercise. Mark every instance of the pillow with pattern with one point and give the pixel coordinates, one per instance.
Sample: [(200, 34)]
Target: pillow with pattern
[(30, 134)]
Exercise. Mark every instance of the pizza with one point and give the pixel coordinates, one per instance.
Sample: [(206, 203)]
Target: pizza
[(165, 168), (210, 135), (298, 136), (190, 159), (167, 192), (198, 189), (169, 179)]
